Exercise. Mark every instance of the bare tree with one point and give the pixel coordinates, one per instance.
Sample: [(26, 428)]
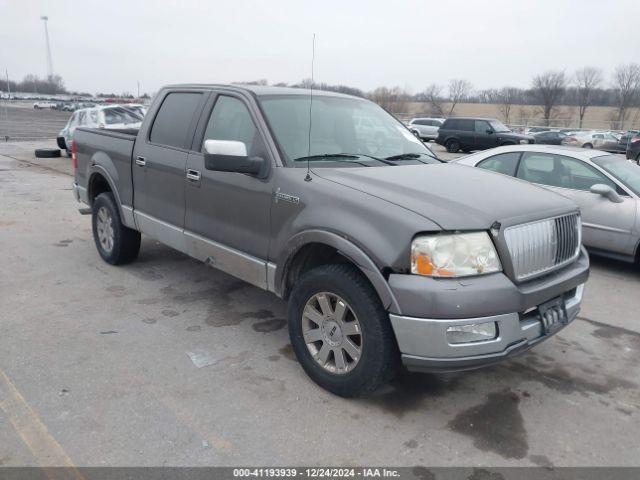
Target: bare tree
[(547, 90), (433, 96), (626, 87), (587, 80), (505, 98), (394, 100), (458, 91)]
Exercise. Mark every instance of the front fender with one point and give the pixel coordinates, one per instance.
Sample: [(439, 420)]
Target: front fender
[(348, 250)]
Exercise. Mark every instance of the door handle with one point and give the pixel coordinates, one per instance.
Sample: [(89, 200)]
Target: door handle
[(193, 175), (141, 161)]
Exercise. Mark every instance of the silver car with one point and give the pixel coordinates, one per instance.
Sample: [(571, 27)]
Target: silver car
[(606, 188), (425, 128)]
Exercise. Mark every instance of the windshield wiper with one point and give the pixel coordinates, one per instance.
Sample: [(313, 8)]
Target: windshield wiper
[(411, 156), (325, 155)]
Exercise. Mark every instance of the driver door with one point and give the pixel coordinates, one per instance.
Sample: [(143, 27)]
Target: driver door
[(227, 219)]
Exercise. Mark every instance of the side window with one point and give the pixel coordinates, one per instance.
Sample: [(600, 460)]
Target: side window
[(173, 119), (537, 168), (451, 125), (505, 163), (230, 120), (466, 125), (580, 176), (482, 126)]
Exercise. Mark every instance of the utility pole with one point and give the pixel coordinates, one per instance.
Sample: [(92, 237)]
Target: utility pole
[(46, 35), (138, 89)]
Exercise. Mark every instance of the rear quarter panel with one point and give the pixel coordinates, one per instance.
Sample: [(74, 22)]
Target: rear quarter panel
[(110, 154)]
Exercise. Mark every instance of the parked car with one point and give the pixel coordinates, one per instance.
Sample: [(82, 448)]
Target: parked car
[(468, 134), (138, 109), (384, 253), (42, 105), (549, 137), (598, 140), (425, 128), (532, 130), (605, 187), (633, 148), (111, 117)]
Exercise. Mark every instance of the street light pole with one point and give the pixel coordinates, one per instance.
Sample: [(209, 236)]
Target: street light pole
[(46, 35)]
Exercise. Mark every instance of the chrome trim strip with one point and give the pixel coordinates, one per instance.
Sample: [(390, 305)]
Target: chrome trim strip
[(234, 262), (271, 277), (127, 217), (605, 228)]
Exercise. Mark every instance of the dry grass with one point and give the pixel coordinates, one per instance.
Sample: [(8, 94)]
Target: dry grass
[(564, 116)]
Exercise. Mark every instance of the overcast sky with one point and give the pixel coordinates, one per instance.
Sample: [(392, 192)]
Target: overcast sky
[(106, 46)]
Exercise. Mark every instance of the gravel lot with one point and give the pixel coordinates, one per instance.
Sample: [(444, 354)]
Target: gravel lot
[(94, 365)]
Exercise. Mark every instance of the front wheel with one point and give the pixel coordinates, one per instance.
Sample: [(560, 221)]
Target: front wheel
[(452, 145), (116, 243), (587, 145), (340, 331)]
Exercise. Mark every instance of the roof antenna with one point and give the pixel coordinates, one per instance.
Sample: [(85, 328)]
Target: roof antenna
[(307, 178)]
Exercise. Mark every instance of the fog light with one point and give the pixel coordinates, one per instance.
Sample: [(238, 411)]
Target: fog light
[(476, 332)]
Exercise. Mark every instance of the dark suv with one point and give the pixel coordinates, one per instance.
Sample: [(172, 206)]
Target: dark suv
[(468, 134)]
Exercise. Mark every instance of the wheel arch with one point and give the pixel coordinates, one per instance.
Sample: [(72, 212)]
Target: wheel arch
[(99, 182), (313, 248)]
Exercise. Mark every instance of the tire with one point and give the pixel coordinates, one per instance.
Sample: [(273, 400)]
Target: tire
[(47, 152), (379, 358), (116, 243), (638, 159), (587, 145), (452, 145)]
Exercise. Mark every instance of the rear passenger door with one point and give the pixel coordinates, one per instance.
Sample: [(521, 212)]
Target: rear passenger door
[(466, 134), (159, 166)]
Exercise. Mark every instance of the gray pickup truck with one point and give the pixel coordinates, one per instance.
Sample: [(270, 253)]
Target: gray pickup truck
[(386, 255)]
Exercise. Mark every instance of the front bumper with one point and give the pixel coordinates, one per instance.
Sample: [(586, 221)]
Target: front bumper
[(423, 342), (425, 348)]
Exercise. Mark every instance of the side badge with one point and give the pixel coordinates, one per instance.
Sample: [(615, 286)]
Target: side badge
[(285, 197)]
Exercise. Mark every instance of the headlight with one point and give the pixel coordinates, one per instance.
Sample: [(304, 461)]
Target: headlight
[(454, 255), (524, 141)]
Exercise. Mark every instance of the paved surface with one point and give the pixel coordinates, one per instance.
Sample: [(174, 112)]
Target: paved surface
[(94, 366), (20, 122)]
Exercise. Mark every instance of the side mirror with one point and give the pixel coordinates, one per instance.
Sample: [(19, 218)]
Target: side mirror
[(489, 131), (606, 191), (230, 156)]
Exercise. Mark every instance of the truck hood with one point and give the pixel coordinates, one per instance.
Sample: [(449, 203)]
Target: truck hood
[(455, 197)]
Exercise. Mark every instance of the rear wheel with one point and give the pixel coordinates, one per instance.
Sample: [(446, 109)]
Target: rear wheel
[(340, 331), (116, 243), (587, 145), (452, 145)]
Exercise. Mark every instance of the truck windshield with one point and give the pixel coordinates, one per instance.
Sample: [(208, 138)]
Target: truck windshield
[(345, 131)]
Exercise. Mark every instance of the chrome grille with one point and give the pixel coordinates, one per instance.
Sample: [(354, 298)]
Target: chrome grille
[(539, 247)]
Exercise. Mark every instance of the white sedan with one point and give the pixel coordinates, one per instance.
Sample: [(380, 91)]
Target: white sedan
[(606, 188)]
